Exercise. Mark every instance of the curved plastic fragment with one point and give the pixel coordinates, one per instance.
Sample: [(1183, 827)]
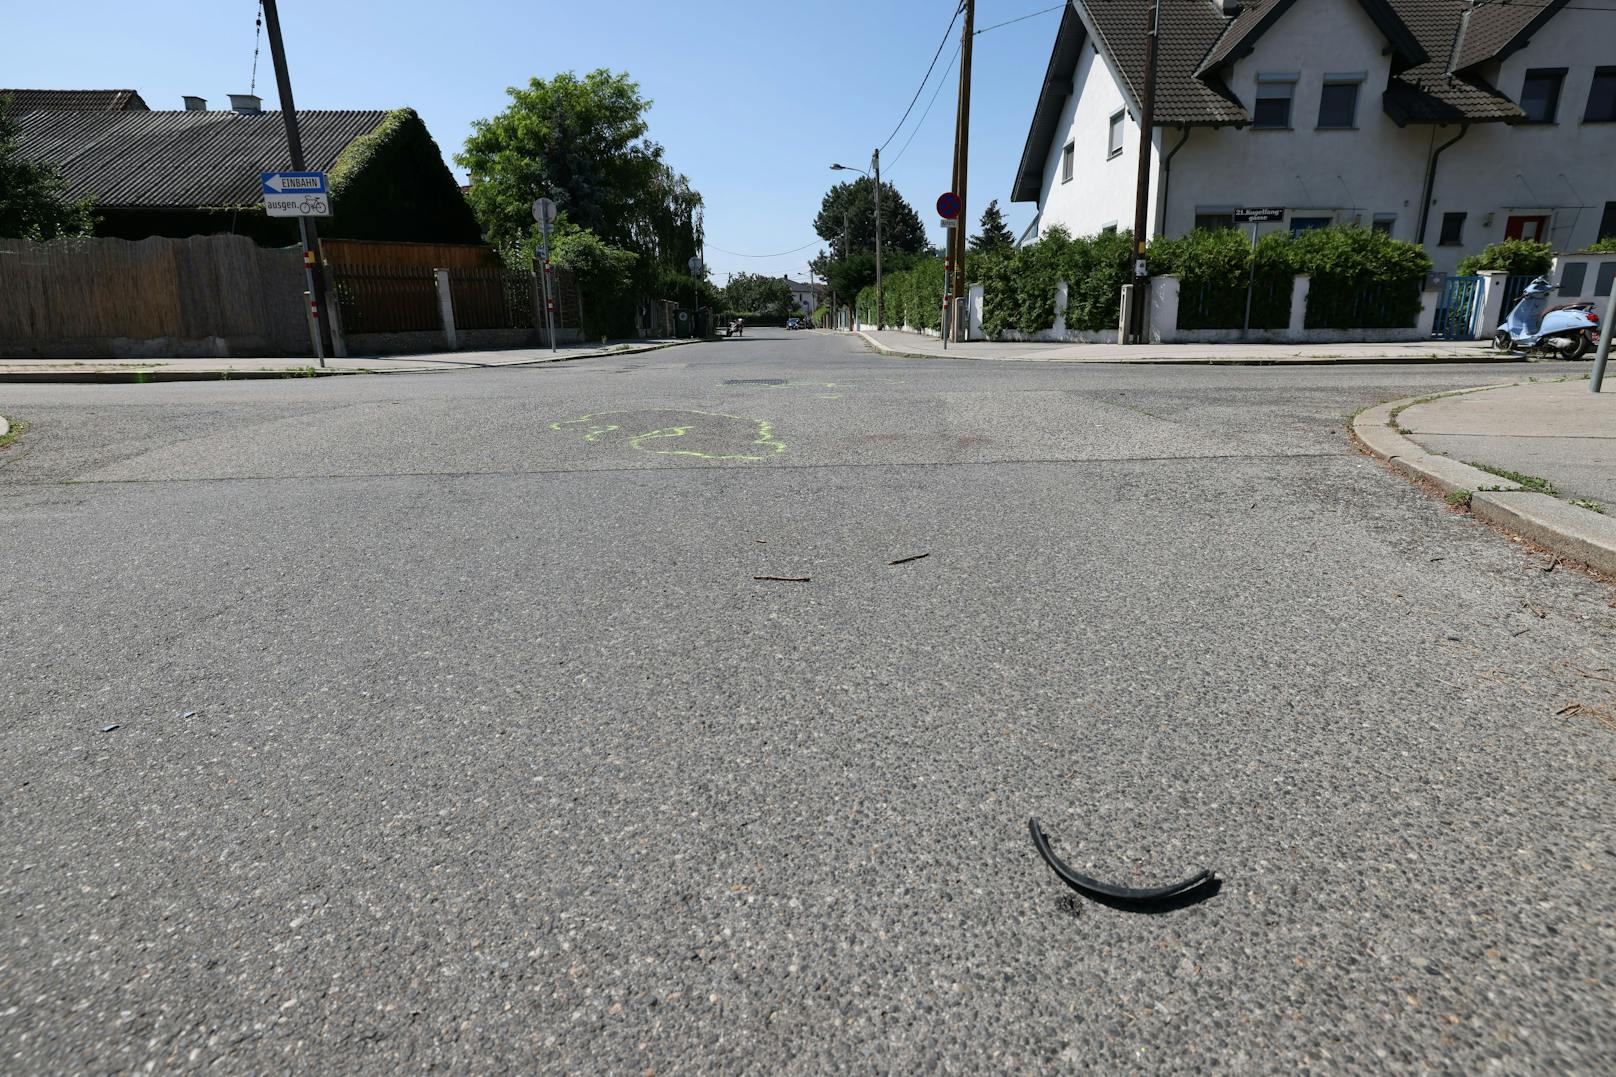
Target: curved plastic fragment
[(1179, 894)]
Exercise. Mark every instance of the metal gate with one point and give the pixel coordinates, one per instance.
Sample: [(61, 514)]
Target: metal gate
[(1515, 286), (1457, 310)]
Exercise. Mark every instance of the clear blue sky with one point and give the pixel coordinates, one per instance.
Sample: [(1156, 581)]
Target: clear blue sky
[(752, 100)]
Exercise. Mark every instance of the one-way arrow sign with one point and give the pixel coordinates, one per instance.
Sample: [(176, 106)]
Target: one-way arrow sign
[(294, 183)]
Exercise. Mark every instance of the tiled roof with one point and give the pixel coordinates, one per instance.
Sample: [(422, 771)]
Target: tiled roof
[(89, 100), (1495, 28), (180, 158), (1428, 93), (1189, 29)]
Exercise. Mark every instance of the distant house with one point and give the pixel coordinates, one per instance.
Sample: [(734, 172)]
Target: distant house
[(196, 171), (807, 297), (1452, 123)]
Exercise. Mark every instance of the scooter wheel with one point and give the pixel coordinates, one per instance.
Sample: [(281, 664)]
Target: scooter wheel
[(1503, 342)]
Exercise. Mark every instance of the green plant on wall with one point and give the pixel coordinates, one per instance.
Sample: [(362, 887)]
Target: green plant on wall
[(1517, 257), (392, 184)]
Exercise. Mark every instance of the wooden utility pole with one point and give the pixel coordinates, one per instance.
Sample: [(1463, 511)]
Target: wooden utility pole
[(1141, 199), (294, 145), (959, 289)]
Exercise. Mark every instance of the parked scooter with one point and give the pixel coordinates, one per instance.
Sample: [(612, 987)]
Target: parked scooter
[(1568, 332)]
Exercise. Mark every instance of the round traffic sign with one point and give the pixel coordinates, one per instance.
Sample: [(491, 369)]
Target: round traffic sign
[(948, 206), (544, 211)]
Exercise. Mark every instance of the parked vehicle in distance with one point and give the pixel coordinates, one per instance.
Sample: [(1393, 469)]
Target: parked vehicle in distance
[(1568, 332), (793, 323)]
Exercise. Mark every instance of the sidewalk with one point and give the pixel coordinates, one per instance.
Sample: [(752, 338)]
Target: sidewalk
[(1538, 458), (917, 346), (155, 370)]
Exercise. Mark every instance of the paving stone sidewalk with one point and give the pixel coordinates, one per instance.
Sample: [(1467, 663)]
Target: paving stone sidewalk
[(918, 345)]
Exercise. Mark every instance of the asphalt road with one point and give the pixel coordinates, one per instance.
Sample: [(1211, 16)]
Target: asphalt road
[(453, 731)]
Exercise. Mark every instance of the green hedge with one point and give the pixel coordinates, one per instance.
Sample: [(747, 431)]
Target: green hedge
[(1362, 279), (606, 278), (1213, 268), (1517, 257), (1018, 285)]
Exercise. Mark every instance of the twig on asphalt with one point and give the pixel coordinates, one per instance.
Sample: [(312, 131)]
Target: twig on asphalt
[(1539, 614), (906, 560), (785, 579), (1554, 564)]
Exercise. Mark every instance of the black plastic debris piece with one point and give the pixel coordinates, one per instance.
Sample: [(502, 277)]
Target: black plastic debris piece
[(1162, 899), (110, 728)]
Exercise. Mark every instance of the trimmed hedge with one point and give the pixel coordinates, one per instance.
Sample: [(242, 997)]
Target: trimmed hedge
[(1213, 268), (1362, 279), (1018, 285), (1517, 257)]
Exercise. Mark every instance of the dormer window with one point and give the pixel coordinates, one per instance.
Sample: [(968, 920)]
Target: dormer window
[(1338, 101), (1272, 111)]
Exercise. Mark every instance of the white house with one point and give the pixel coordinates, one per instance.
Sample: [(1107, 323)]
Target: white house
[(807, 297), (1453, 123)]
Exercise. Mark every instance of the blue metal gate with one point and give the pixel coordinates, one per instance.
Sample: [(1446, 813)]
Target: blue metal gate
[(1514, 287), (1457, 310)]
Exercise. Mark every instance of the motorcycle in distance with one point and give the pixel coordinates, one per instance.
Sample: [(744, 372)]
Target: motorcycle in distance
[(1567, 332)]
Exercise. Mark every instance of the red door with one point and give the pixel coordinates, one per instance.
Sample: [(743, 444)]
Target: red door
[(1533, 228)]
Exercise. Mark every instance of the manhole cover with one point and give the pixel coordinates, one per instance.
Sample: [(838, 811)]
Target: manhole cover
[(754, 381)]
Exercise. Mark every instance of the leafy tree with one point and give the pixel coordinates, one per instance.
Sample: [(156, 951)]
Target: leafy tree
[(33, 198), (754, 293), (608, 276), (995, 235), (582, 142), (852, 206)]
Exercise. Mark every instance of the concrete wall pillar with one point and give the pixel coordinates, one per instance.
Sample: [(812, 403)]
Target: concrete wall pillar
[(1163, 313), (1062, 298), (1490, 303), (1299, 289), (446, 309), (1124, 313), (333, 312), (1428, 304), (973, 305)]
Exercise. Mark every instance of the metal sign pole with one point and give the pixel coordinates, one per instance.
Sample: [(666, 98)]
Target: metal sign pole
[(549, 306), (1597, 378), (1251, 279)]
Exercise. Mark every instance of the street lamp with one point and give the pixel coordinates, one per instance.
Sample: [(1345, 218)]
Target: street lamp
[(875, 163)]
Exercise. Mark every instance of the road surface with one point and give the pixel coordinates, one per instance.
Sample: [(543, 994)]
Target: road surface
[(454, 732)]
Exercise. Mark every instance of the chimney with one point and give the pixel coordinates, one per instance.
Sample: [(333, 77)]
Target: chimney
[(195, 104), (1228, 7), (247, 104)]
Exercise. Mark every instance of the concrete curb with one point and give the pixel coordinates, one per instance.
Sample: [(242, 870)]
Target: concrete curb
[(1374, 360), (1574, 532), (154, 375)]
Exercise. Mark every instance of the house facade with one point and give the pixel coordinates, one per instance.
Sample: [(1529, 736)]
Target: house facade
[(807, 297), (1437, 121)]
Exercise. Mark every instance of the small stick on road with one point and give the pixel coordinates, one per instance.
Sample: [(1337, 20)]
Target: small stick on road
[(785, 579), (906, 560)]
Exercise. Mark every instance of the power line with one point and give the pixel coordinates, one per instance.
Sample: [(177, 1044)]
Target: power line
[(782, 254), (941, 45), (922, 122), (1023, 18)]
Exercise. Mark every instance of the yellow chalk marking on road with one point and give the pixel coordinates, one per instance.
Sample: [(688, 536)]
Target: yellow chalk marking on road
[(699, 427)]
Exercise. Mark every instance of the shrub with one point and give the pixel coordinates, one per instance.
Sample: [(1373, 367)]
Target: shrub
[(1018, 286), (1362, 279), (1214, 268), (1517, 257), (1606, 245), (606, 277)]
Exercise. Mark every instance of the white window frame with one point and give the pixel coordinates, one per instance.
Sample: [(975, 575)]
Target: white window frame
[(1068, 161), (1116, 128)]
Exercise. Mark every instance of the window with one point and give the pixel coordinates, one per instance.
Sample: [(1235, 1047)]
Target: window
[(1384, 223), (1273, 108), (1452, 230), (1113, 144), (1572, 278), (1606, 278), (1540, 94), (1066, 162), (1112, 227), (1308, 224), (1607, 221), (1214, 220), (1338, 102), (1602, 97)]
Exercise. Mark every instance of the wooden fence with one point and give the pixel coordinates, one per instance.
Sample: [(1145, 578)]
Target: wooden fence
[(100, 298), (386, 298)]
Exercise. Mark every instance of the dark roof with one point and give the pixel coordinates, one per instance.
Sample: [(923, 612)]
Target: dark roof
[(1256, 16), (1189, 29), (1495, 28), (1430, 92), (181, 158), (77, 100)]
